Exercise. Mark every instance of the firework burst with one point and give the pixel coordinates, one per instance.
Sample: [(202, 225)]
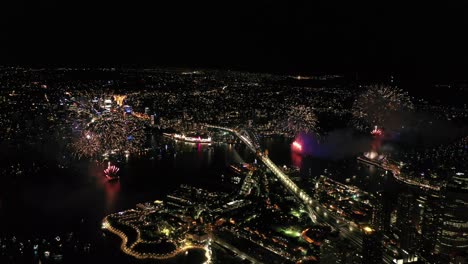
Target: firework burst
[(110, 133), (297, 146), (111, 171), (378, 105), (377, 132), (87, 144), (299, 119)]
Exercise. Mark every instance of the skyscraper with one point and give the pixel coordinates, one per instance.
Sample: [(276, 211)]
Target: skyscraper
[(405, 224), (381, 212), (430, 227), (453, 239), (372, 250)]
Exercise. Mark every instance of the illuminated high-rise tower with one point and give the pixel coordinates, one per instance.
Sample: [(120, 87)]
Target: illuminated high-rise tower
[(453, 239), (405, 224), (372, 249)]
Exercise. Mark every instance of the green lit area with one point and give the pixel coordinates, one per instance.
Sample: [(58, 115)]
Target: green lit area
[(166, 231), (297, 213), (291, 232), (250, 218)]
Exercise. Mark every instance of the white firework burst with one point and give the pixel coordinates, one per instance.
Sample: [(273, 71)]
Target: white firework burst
[(299, 119), (378, 104), (113, 132)]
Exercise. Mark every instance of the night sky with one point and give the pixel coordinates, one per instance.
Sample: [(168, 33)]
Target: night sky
[(265, 35)]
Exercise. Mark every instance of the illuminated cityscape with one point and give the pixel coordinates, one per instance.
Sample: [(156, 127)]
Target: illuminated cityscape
[(243, 187), (260, 133)]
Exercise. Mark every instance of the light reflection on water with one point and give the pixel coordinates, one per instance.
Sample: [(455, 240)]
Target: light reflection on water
[(112, 192), (296, 159), (364, 176), (82, 191)]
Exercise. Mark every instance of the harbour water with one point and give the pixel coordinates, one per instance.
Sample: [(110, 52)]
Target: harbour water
[(75, 199)]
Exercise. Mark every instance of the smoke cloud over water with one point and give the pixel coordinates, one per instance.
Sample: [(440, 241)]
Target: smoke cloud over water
[(338, 144), (424, 131)]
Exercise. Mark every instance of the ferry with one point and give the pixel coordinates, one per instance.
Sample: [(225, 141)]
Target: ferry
[(372, 158), (204, 139), (380, 161)]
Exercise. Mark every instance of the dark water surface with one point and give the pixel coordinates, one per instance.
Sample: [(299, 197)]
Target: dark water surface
[(77, 198), (56, 201)]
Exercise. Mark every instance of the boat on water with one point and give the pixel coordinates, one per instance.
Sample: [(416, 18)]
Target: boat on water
[(192, 137)]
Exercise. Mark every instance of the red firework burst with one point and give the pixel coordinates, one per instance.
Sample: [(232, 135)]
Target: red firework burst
[(297, 146), (377, 132), (111, 171)]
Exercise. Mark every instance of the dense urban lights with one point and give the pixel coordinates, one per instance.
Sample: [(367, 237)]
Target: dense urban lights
[(361, 196)]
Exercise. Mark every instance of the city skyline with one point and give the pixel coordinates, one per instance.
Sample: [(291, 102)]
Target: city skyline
[(233, 132), (321, 167)]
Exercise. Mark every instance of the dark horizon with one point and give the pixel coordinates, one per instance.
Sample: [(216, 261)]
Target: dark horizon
[(267, 37)]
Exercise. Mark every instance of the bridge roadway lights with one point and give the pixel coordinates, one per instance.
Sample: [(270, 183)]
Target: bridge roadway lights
[(285, 179)]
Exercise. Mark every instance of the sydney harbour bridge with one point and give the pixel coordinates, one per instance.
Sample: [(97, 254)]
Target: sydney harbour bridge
[(318, 213)]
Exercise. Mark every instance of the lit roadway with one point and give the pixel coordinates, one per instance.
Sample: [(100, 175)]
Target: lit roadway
[(241, 254), (317, 212)]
